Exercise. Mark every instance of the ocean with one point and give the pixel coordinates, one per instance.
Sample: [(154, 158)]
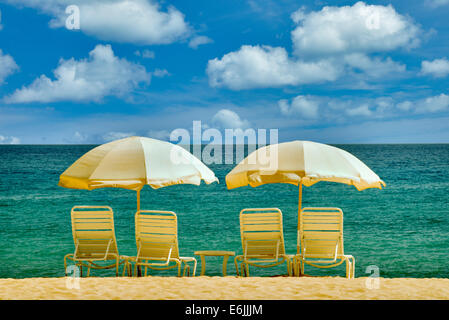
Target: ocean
[(402, 229)]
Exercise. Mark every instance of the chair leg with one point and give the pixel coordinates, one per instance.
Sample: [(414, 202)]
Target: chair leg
[(353, 268), (125, 267), (236, 267), (186, 270), (88, 270), (245, 269), (194, 268)]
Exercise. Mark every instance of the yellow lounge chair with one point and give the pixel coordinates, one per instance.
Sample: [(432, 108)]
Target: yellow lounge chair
[(320, 237), (157, 242), (262, 240), (94, 238)]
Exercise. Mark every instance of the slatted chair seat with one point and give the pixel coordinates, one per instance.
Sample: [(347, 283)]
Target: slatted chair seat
[(157, 243), (94, 238), (320, 238), (262, 240)]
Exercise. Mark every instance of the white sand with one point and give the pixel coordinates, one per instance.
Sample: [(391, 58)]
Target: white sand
[(221, 288)]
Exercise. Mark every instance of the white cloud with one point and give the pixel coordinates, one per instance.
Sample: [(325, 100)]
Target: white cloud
[(146, 54), (405, 106), (228, 119), (347, 29), (9, 140), (7, 66), (373, 67), (101, 74), (362, 110), (127, 21), (79, 137), (265, 66), (437, 3), (159, 134), (160, 73), (305, 106), (322, 109), (433, 104), (197, 41), (438, 68), (113, 135), (328, 44)]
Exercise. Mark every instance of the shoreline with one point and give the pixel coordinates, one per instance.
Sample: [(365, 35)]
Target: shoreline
[(224, 288)]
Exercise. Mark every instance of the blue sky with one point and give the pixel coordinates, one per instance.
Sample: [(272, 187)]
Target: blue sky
[(327, 71)]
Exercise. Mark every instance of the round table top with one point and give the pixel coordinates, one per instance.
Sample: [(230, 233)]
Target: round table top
[(214, 253)]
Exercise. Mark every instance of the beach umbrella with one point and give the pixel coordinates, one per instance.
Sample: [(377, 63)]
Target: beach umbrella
[(133, 162), (302, 163)]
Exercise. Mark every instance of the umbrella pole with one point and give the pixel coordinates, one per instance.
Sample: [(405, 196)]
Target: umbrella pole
[(138, 200), (299, 213)]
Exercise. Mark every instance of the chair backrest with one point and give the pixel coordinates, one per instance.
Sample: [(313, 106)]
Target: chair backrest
[(321, 233), (93, 232), (262, 234), (156, 235)]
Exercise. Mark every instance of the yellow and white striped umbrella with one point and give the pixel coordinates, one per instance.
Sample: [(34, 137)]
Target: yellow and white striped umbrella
[(131, 163), (302, 163)]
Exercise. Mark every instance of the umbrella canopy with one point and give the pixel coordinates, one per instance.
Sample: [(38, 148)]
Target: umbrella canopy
[(131, 163), (302, 163)]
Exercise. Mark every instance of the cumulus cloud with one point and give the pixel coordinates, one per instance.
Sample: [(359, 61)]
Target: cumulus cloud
[(79, 137), (101, 74), (113, 135), (159, 134), (433, 104), (228, 119), (328, 44), (437, 3), (146, 54), (9, 140), (362, 110), (312, 109), (373, 67), (197, 41), (305, 106), (437, 68), (160, 73), (7, 66), (265, 66), (127, 21), (347, 29)]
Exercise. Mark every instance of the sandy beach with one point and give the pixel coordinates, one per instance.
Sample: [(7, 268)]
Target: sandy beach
[(223, 288)]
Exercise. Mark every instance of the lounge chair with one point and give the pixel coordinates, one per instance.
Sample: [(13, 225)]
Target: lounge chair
[(157, 243), (94, 239), (262, 240), (320, 238)]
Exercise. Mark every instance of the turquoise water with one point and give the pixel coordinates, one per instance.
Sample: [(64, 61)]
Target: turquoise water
[(403, 229)]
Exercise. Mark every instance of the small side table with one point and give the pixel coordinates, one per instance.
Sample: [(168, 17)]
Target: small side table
[(214, 253)]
